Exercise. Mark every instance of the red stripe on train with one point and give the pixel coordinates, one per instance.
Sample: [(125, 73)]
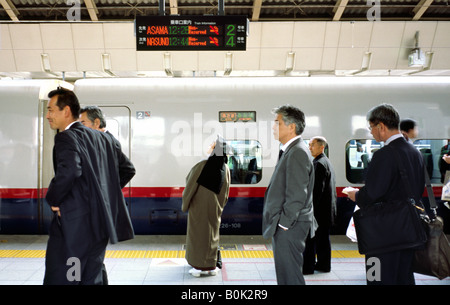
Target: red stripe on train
[(165, 192)]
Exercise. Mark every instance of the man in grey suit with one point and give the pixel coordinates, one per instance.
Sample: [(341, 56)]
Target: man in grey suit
[(288, 210)]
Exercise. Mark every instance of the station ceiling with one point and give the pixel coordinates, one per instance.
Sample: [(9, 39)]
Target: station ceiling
[(287, 38), (255, 10)]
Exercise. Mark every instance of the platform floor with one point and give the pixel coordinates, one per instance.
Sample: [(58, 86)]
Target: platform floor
[(159, 260)]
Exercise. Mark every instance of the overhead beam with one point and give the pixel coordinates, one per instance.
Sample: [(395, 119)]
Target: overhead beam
[(257, 4), (173, 7), (339, 9), (92, 9), (10, 9), (420, 9)]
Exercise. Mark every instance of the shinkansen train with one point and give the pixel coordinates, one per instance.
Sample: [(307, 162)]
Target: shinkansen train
[(165, 126)]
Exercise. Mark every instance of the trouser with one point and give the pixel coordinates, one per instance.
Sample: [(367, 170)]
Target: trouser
[(320, 244), (288, 247), (393, 268), (81, 264)]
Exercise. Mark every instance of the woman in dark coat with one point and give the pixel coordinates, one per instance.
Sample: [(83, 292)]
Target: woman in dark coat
[(205, 196)]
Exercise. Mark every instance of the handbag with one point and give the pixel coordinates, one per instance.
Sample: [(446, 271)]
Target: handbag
[(351, 232), (434, 259), (446, 187), (392, 225)]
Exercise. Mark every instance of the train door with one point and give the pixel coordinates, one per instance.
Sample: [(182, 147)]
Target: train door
[(118, 123), (118, 120)]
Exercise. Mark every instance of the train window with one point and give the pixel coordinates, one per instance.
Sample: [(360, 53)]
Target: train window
[(358, 153), (244, 161), (432, 152)]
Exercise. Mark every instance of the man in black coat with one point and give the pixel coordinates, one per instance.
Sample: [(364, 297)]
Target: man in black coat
[(324, 202), (384, 183), (85, 196)]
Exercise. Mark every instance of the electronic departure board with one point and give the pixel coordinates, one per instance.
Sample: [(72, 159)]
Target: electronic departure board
[(196, 33), (237, 116)]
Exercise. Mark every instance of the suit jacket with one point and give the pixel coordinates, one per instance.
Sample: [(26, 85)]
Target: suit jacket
[(126, 168), (324, 194), (87, 186), (288, 198), (383, 180)]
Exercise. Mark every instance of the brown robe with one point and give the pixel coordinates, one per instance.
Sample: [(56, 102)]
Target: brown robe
[(205, 209)]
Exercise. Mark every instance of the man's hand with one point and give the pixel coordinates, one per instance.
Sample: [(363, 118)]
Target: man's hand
[(350, 192), (56, 209)]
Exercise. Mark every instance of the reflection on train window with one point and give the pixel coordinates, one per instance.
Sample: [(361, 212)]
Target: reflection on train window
[(244, 161), (432, 152), (358, 154)]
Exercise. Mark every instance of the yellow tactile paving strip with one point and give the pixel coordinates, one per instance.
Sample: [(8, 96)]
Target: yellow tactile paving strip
[(171, 254)]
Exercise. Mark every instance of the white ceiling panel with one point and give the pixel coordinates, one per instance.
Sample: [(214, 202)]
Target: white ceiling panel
[(308, 58), (355, 35), (62, 60), (184, 61), (211, 61), (26, 36), (88, 36), (441, 59), (309, 35), (442, 36), (56, 36), (426, 35), (28, 60), (384, 58), (254, 36), (277, 34), (89, 60), (150, 61), (328, 59), (122, 59), (248, 60), (332, 34), (119, 35), (387, 34), (349, 58), (5, 40), (273, 58), (7, 61)]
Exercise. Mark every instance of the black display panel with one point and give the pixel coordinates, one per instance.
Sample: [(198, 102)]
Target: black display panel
[(196, 33)]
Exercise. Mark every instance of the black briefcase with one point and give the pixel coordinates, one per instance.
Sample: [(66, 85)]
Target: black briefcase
[(389, 226)]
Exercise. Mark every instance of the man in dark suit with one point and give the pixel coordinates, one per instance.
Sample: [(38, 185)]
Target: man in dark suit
[(384, 183), (85, 195), (324, 202), (288, 210), (92, 117)]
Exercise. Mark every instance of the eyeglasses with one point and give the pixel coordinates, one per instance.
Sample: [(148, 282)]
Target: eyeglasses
[(370, 127)]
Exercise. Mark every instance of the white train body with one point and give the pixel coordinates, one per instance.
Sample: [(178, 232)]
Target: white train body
[(166, 124)]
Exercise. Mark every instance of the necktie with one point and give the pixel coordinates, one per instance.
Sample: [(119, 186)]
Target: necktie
[(280, 153)]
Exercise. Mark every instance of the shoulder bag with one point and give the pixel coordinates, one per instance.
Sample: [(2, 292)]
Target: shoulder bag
[(392, 225), (434, 259)]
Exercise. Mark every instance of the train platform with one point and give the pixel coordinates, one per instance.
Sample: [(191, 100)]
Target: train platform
[(159, 260)]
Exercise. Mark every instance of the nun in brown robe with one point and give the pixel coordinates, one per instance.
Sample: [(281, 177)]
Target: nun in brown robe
[(205, 196)]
